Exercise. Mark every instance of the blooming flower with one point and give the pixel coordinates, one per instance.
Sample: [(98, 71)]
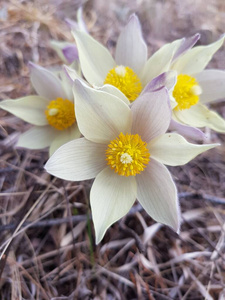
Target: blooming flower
[(196, 87), (125, 148), (51, 111), (130, 72)]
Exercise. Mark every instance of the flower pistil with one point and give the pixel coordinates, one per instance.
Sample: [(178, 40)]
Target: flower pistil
[(126, 80), (186, 92), (60, 113), (127, 155)]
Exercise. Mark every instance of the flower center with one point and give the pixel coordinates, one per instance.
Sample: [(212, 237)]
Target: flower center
[(126, 80), (127, 155), (186, 92), (60, 113)]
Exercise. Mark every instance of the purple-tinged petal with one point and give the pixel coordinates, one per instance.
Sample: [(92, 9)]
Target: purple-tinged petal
[(72, 24), (71, 53), (151, 114), (58, 46), (45, 83), (196, 59), (131, 49), (187, 44), (166, 79), (80, 24), (187, 131)]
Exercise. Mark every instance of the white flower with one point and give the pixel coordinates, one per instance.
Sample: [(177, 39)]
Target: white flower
[(196, 87), (125, 148), (51, 111), (130, 72)]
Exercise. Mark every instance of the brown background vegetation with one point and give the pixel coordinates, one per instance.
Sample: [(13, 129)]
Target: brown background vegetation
[(46, 234)]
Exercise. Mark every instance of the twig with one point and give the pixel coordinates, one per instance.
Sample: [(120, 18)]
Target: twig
[(207, 197), (133, 210), (46, 223)]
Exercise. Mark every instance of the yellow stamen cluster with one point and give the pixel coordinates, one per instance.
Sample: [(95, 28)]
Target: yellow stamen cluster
[(126, 80), (127, 155), (60, 113), (186, 92)]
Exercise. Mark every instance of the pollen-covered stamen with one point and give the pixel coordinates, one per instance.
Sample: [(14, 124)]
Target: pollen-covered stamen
[(186, 92), (60, 113), (126, 80), (127, 155)]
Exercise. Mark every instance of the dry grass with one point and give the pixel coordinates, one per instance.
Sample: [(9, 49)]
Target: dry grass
[(46, 241)]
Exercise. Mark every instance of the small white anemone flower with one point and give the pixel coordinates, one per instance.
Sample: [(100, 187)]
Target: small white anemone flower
[(51, 111), (125, 148), (131, 71), (196, 87)]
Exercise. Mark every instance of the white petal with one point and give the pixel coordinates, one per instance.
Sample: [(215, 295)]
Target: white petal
[(114, 91), (63, 137), (67, 84), (95, 59), (159, 62), (173, 102), (111, 198), (200, 116), (73, 74), (157, 193), (30, 109), (173, 150), (45, 83), (131, 49), (151, 114), (212, 83), (196, 59), (37, 137), (77, 160), (100, 116), (187, 44)]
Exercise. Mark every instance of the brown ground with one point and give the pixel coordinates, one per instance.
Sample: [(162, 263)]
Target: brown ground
[(46, 241)]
